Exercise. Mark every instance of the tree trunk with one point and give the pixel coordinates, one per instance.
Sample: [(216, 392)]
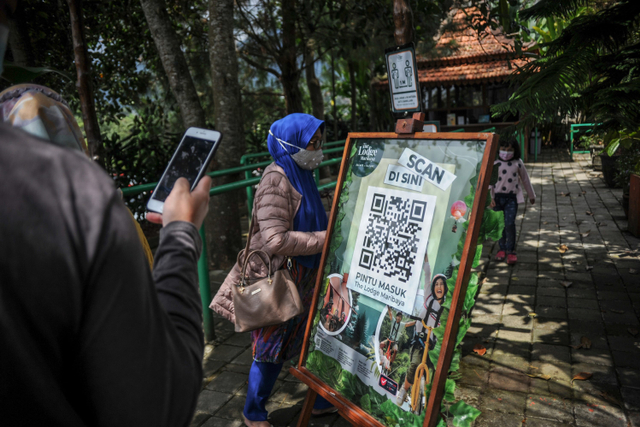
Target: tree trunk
[(313, 84), (224, 234), (19, 40), (173, 62), (85, 90), (288, 61), (354, 107)]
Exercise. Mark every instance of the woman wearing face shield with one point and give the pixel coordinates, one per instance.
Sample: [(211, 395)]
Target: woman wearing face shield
[(290, 225)]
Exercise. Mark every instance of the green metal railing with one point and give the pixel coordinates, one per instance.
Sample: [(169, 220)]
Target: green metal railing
[(575, 129), (244, 160), (248, 183)]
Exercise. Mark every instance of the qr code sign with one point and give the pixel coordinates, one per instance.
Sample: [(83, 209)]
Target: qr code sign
[(391, 241), (392, 238)]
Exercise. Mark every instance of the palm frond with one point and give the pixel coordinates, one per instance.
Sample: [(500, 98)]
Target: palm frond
[(545, 8), (593, 68)]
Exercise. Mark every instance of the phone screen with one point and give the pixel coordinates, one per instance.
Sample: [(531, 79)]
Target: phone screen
[(187, 162)]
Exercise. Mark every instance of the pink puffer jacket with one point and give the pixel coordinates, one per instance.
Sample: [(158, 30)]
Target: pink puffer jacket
[(275, 205)]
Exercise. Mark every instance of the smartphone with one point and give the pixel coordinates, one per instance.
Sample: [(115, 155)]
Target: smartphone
[(190, 161)]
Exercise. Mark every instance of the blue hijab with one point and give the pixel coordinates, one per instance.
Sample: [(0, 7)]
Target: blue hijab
[(298, 129)]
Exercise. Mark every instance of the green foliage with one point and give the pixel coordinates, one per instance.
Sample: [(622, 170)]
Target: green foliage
[(449, 390), (353, 389), (16, 74), (463, 414), (590, 69)]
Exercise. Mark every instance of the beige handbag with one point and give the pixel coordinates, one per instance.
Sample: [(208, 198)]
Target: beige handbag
[(267, 301)]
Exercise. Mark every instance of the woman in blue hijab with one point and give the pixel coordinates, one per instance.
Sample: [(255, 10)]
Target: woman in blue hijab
[(290, 224)]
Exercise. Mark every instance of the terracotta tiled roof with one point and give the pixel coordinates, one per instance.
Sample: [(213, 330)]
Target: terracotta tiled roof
[(464, 56), (473, 73), (460, 42)]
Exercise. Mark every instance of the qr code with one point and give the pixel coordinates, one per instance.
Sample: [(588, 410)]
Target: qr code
[(391, 237)]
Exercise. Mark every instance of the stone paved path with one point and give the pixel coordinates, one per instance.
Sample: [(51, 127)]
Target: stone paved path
[(525, 317)]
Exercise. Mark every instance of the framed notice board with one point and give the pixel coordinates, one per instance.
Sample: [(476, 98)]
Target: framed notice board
[(391, 296)]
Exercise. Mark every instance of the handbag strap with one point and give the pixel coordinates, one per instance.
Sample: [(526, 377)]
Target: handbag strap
[(251, 223), (268, 263)]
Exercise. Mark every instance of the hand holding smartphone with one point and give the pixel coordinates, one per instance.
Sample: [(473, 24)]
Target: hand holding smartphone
[(190, 161)]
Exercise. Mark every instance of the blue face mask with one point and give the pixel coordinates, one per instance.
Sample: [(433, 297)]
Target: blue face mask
[(4, 39)]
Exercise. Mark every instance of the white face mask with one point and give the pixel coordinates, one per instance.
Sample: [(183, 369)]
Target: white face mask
[(506, 155), (306, 159)]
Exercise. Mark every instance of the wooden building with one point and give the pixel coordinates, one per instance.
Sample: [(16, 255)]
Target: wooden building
[(466, 74)]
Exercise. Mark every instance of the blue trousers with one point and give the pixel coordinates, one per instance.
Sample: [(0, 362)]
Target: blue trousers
[(508, 203), (262, 378)]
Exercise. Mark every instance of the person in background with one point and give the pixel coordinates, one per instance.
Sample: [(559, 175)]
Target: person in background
[(506, 193), (42, 112), (87, 335), (290, 225)]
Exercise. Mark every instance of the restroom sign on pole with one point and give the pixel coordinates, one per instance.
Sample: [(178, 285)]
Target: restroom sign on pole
[(402, 71)]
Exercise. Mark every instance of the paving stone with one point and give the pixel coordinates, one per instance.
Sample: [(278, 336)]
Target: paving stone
[(225, 352), (497, 400), (542, 422), (515, 335), (227, 382), (221, 422), (473, 376), (634, 419), (555, 291), (551, 336), (626, 360), (550, 353), (505, 378), (211, 366), (241, 369), (290, 392), (245, 358), (629, 377), (584, 314), (590, 304), (524, 281), (631, 398), (282, 414), (210, 401), (613, 296), (587, 328), (518, 323), (524, 290), (508, 348), (552, 409), (624, 343), (199, 418), (233, 409), (595, 356), (580, 293), (628, 318), (546, 301), (240, 340), (596, 341), (493, 419), (593, 415)]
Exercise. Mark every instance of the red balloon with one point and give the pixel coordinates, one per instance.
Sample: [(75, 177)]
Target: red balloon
[(458, 209)]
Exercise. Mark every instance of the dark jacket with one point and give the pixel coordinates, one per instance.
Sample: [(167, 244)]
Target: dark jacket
[(87, 336)]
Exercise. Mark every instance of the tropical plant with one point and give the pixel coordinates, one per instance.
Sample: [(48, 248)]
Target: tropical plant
[(589, 69)]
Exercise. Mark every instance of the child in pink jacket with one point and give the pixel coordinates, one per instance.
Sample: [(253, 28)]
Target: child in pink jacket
[(506, 193)]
